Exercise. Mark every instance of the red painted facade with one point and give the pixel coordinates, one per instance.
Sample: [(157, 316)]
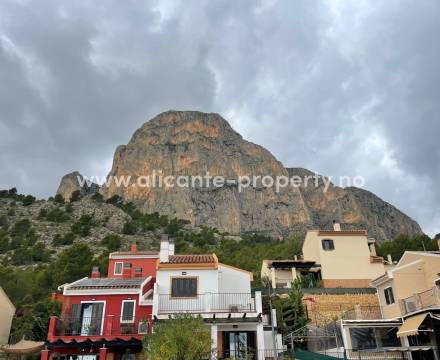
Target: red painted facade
[(71, 333)]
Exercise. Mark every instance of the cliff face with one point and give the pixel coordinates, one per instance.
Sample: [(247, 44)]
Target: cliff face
[(194, 144)]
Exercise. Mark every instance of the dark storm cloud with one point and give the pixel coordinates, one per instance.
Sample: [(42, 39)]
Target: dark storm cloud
[(340, 87)]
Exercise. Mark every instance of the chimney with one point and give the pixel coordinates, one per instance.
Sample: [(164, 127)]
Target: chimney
[(336, 226), (164, 254), (171, 247), (134, 248), (389, 259), (126, 271), (95, 273)]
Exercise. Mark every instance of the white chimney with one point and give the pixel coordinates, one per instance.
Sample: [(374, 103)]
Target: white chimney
[(164, 249), (336, 226), (390, 259), (171, 247)]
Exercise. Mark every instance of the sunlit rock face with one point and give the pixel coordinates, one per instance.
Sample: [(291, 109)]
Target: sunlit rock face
[(189, 143)]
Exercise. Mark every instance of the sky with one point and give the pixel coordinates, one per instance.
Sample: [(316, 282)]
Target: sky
[(343, 88)]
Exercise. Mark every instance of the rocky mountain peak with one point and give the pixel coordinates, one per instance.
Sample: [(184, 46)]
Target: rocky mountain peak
[(193, 143)]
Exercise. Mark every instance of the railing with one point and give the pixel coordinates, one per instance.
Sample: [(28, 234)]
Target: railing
[(97, 326), (423, 300), (207, 303), (363, 312)]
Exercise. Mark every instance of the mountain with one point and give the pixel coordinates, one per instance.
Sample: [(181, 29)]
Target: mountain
[(189, 143)]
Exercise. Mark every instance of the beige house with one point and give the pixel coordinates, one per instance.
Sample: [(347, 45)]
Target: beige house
[(409, 312), (7, 311), (413, 285), (339, 258), (347, 257)]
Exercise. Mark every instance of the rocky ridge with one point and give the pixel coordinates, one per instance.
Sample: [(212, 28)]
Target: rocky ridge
[(189, 143)]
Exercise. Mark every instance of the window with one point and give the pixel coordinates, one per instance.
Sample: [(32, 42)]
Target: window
[(127, 311), (328, 244), (118, 268), (184, 287), (363, 338), (389, 296), (437, 283)]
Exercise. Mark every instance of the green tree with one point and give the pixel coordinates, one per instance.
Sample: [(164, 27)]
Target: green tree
[(112, 242), (59, 199), (72, 264), (57, 215), (83, 226), (76, 195), (290, 311), (97, 197), (402, 243), (4, 223), (129, 228), (66, 239), (28, 200), (4, 241), (180, 338)]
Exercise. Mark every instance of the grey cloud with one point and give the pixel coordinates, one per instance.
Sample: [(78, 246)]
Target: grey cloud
[(343, 88)]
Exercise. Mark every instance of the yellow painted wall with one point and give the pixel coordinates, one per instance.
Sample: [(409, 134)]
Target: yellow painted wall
[(349, 260)]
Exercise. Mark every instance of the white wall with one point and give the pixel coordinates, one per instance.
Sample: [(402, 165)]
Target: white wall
[(207, 279), (233, 281)]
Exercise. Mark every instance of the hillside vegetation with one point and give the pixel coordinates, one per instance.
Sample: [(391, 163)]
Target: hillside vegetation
[(44, 244)]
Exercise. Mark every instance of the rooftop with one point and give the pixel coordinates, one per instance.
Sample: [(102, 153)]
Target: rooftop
[(107, 283), (207, 261), (342, 233), (192, 259)]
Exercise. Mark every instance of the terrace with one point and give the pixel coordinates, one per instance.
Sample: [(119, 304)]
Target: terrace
[(226, 303), (93, 327), (421, 301)]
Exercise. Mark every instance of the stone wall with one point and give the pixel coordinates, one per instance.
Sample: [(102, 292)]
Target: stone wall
[(323, 308)]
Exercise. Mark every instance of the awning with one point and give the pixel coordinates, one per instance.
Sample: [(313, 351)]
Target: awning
[(23, 347), (411, 326)]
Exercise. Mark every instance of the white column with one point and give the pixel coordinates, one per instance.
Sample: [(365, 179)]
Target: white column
[(260, 341), (258, 303), (273, 277), (214, 344), (155, 299)]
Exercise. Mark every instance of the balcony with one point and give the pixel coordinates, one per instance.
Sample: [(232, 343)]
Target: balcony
[(108, 326), (363, 312), (421, 301), (227, 303)]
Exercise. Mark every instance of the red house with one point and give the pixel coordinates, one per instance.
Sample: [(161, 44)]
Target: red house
[(105, 317)]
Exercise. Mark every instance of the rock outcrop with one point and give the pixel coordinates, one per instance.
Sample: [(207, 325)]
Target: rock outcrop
[(75, 181), (191, 143), (354, 208)]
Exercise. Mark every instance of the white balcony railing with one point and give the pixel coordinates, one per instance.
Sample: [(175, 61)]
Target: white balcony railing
[(423, 300), (207, 303)]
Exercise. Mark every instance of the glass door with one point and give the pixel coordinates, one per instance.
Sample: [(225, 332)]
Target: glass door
[(238, 345), (91, 318)]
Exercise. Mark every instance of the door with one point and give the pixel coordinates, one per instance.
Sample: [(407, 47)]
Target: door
[(91, 319), (239, 345)]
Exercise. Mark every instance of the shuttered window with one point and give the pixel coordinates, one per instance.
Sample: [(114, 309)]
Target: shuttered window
[(389, 296), (184, 287), (127, 312), (328, 244)]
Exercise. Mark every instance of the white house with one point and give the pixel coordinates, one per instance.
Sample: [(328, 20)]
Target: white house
[(220, 294)]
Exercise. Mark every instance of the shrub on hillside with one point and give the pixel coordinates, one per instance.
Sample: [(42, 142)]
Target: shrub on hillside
[(112, 242)]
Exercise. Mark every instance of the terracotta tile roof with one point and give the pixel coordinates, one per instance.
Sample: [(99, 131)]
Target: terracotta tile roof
[(342, 232), (192, 259)]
